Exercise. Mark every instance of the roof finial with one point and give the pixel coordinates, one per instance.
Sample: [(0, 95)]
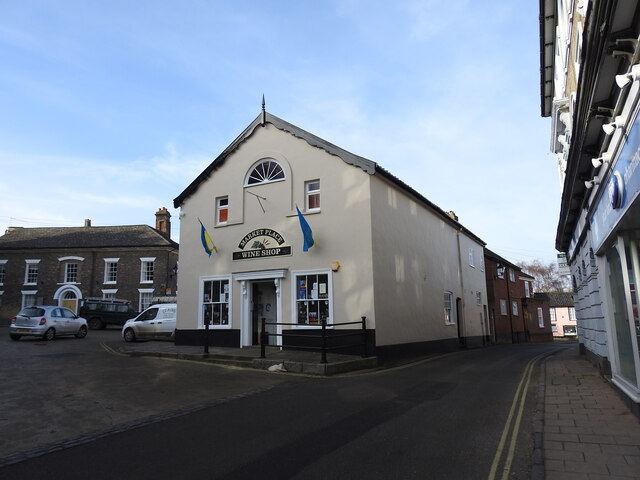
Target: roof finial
[(264, 112)]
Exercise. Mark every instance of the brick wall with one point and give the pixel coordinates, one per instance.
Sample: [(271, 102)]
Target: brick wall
[(90, 275)]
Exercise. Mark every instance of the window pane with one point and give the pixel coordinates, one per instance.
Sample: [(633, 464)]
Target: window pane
[(264, 172), (312, 296), (215, 302), (314, 201)]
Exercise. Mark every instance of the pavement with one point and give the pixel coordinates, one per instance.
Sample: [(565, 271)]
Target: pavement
[(584, 428), (305, 362)]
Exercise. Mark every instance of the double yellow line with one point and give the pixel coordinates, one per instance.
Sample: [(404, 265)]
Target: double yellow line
[(512, 427), (112, 351)]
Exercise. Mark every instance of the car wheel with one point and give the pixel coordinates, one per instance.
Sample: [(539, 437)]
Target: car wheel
[(96, 324), (129, 335), (49, 334), (14, 337), (82, 332)]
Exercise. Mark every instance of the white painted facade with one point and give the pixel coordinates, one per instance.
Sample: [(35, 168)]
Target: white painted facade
[(381, 250)]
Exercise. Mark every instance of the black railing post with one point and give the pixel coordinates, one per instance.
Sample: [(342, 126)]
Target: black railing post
[(364, 337), (206, 336), (263, 338), (324, 341)]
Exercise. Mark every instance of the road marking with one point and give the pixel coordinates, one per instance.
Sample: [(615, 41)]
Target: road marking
[(519, 400), (378, 371), (110, 350)]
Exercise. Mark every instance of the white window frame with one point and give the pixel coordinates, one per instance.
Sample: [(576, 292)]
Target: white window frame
[(294, 297), (67, 268), (145, 261), (29, 294), (201, 302), (27, 270), (512, 275), (503, 307), (540, 317), (220, 208), (3, 271), (552, 314), (472, 259), (141, 292), (264, 181), (514, 308), (107, 262), (448, 310), (308, 192), (572, 314), (527, 291), (109, 292), (478, 298)]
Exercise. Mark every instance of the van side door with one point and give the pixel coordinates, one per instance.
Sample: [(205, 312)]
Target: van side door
[(145, 324), (165, 322)]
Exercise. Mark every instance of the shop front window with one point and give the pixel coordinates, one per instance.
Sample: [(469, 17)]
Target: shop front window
[(215, 302), (623, 272), (313, 298)]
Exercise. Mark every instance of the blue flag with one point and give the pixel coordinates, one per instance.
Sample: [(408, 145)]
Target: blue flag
[(306, 231), (205, 238)]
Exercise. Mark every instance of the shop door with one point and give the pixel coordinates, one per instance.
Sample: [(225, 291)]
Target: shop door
[(263, 305)]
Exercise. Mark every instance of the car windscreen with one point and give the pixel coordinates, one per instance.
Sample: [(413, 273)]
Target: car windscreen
[(32, 312)]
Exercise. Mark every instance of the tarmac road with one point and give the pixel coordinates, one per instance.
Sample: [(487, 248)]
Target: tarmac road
[(69, 387), (441, 418)]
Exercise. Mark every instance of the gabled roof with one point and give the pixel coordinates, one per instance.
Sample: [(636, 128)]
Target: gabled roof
[(560, 299), (366, 165), (490, 254), (84, 237)]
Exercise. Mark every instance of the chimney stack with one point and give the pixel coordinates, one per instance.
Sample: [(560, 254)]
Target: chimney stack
[(163, 222), (87, 222)]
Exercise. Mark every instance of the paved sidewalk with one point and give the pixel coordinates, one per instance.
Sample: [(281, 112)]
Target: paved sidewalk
[(588, 431), (293, 361)]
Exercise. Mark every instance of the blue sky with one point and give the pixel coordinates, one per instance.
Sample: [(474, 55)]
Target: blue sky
[(111, 108)]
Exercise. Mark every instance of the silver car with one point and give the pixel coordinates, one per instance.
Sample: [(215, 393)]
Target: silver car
[(47, 322)]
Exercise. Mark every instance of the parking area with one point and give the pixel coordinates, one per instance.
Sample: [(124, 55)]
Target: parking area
[(69, 387)]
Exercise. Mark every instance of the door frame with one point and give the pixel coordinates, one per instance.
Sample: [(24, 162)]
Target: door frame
[(59, 296), (246, 280)]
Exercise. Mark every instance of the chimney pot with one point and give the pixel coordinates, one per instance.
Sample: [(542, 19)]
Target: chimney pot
[(163, 222)]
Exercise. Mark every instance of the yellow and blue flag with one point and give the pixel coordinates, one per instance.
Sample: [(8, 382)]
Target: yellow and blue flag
[(205, 238), (306, 231)]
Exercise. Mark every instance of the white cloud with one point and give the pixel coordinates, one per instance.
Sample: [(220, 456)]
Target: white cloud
[(59, 191)]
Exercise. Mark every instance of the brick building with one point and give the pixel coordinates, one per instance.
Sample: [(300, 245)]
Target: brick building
[(516, 315), (63, 265)]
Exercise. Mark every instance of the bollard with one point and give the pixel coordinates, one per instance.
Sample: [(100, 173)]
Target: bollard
[(263, 339), (364, 337), (206, 336), (324, 341)]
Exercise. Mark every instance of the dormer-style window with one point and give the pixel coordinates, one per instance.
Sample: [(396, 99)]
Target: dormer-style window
[(265, 171)]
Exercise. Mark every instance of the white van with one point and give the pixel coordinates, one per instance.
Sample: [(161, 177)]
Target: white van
[(156, 322)]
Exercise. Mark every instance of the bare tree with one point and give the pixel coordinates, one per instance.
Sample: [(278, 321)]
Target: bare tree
[(546, 276)]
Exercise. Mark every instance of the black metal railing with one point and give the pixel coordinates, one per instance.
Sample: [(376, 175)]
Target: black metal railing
[(322, 335)]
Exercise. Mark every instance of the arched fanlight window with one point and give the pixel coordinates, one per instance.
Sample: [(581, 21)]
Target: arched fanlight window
[(265, 171)]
